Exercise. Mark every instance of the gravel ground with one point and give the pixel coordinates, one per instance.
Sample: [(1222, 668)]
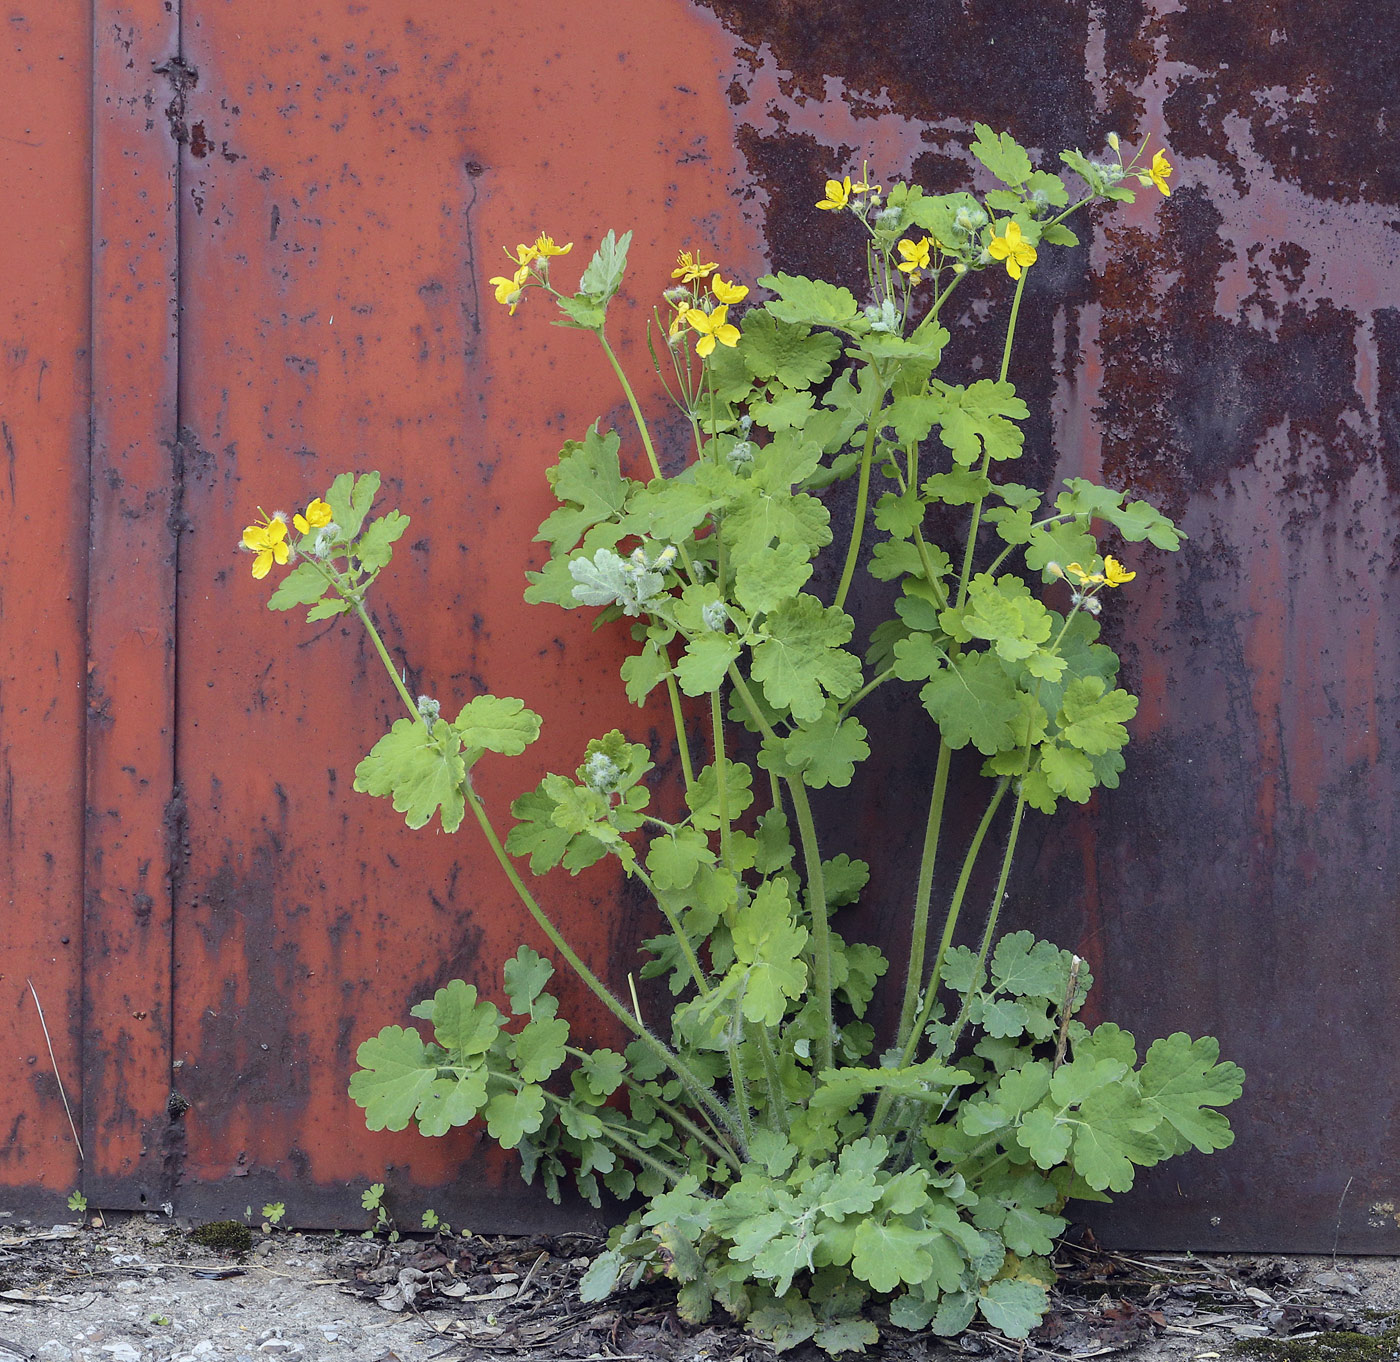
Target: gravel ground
[(141, 1291)]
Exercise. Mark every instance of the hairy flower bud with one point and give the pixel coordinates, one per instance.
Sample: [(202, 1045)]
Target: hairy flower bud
[(714, 616), (601, 773), (429, 709)]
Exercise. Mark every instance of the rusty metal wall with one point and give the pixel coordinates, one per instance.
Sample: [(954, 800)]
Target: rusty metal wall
[(327, 190), (45, 170)]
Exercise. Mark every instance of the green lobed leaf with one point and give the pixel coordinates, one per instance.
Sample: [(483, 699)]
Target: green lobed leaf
[(303, 585), (422, 769), (526, 974), (395, 1074), (801, 656), (539, 1048), (375, 546), (462, 1024), (794, 355), (810, 302), (603, 276), (510, 1116), (1002, 154), (1182, 1079), (1013, 1306), (888, 1254), (588, 482), (973, 701), (496, 723), (350, 498)]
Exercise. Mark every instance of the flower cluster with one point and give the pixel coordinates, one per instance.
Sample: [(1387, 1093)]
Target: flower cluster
[(1088, 583), (843, 194), (701, 301), (531, 266), (267, 538)]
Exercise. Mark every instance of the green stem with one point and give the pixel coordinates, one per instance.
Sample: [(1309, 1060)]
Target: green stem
[(923, 895), (997, 899), (862, 498), (698, 1088), (409, 703), (721, 776), (716, 1144), (966, 575), (682, 939), (880, 1120), (777, 1105), (954, 910), (736, 1074), (694, 1084), (851, 702), (631, 402), (678, 718), (821, 928), (816, 881)]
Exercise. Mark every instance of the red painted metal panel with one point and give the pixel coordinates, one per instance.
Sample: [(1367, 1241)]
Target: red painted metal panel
[(45, 171), (130, 607), (350, 180)]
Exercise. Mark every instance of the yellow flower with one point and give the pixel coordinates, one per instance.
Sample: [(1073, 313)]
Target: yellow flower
[(524, 255), (915, 255), (1082, 577), (865, 187), (712, 327), (1158, 172), (544, 247), (1012, 248), (690, 269), (267, 539), (511, 290), (1114, 573), (838, 194), (678, 322), (728, 293), (318, 515)]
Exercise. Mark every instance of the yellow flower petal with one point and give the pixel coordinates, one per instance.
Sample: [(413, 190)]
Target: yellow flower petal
[(1115, 574), (690, 269), (262, 564), (1158, 172), (838, 194), (544, 246), (728, 293)]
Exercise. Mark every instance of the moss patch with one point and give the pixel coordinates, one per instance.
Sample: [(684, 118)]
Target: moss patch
[(1342, 1346), (225, 1236)]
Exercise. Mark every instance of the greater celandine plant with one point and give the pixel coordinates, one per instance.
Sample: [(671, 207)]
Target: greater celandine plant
[(785, 1162)]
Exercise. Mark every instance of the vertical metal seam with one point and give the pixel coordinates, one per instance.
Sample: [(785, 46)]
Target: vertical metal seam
[(84, 612), (175, 807)]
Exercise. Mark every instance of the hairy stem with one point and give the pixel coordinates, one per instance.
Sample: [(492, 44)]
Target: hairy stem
[(697, 1088), (816, 880), (923, 895), (862, 498), (642, 428), (976, 522)]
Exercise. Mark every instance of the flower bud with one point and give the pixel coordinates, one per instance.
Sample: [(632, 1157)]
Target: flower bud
[(429, 709), (601, 773), (1113, 140), (714, 616)]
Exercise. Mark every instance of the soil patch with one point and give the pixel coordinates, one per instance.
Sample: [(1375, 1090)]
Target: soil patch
[(144, 1291)]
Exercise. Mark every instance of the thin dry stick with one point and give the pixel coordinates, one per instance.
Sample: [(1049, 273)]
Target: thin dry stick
[(1065, 1014), (1336, 1238), (71, 1124)]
